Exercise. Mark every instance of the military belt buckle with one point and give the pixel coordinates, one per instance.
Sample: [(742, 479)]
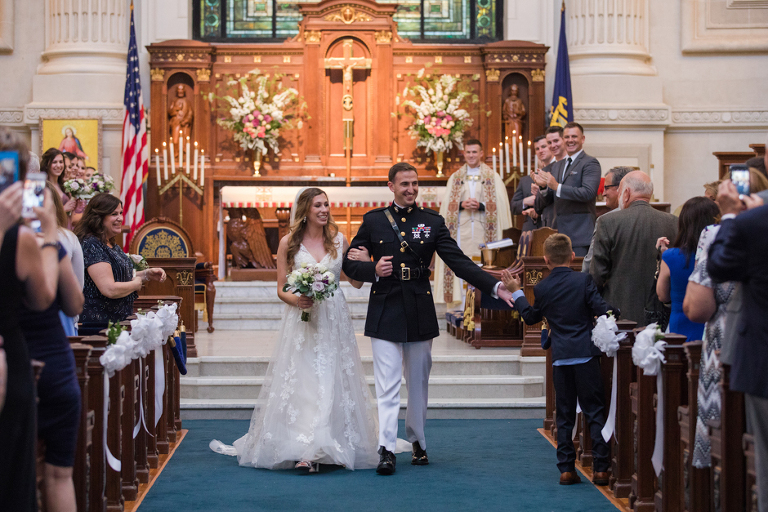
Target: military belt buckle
[(403, 246), (405, 274)]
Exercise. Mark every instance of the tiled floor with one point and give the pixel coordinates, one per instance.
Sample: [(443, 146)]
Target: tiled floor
[(262, 343)]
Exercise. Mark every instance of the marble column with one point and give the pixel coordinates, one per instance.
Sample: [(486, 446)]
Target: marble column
[(609, 37)]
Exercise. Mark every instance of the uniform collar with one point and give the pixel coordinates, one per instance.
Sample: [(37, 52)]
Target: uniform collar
[(473, 171), (400, 209)]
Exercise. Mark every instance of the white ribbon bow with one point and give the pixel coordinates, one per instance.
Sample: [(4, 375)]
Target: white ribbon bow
[(605, 338), (648, 354)]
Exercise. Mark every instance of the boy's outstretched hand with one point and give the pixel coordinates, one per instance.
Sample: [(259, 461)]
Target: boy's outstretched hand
[(511, 282)]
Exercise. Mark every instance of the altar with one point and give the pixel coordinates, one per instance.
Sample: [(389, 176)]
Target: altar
[(356, 126)]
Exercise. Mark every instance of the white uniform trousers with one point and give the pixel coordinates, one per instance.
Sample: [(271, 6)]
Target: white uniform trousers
[(389, 359)]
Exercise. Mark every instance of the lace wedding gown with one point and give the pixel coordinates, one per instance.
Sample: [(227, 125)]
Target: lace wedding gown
[(314, 404)]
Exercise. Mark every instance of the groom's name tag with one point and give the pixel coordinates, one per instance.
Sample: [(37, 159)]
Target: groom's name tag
[(420, 230)]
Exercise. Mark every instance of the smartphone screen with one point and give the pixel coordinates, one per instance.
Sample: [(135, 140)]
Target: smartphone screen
[(9, 169), (740, 178), (34, 194)]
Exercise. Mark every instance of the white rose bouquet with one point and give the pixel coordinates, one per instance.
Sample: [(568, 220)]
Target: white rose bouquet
[(314, 281), (97, 185), (77, 188)]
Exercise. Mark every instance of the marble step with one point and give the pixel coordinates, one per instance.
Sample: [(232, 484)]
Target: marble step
[(266, 289), (442, 365), (440, 386), (270, 306), (439, 408), (257, 321)]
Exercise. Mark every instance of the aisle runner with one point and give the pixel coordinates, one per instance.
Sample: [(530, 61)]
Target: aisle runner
[(475, 464)]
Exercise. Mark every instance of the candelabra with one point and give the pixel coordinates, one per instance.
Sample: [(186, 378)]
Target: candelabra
[(188, 175)]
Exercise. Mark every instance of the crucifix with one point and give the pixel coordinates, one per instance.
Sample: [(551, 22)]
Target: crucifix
[(347, 63)]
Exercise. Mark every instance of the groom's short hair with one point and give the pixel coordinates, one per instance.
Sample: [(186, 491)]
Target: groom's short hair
[(473, 142), (400, 167)]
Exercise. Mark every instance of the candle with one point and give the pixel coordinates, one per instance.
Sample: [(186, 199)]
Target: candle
[(165, 161), (181, 152), (202, 168), (157, 164), (530, 162), (506, 153), (514, 150), (187, 156), (195, 160), (494, 162), (520, 154), (501, 157), (173, 160)]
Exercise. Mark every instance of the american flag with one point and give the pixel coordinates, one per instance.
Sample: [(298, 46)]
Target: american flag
[(135, 151)]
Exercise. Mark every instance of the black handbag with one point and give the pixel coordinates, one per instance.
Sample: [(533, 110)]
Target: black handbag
[(655, 310)]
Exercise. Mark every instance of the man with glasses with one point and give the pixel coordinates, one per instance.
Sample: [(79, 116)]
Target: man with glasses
[(611, 194)]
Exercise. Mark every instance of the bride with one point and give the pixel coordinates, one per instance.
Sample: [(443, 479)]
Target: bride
[(314, 406)]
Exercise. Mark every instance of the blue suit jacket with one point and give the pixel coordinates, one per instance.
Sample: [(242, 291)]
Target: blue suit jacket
[(570, 302), (740, 253)]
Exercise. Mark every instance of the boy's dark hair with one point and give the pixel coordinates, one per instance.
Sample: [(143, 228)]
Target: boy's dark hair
[(554, 129), (473, 142), (537, 139), (574, 124), (557, 248), (400, 167)]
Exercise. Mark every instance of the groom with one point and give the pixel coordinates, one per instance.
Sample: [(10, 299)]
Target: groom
[(401, 321)]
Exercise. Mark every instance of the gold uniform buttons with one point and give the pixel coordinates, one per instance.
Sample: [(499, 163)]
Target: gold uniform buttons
[(421, 242), (403, 219), (402, 249), (374, 292), (402, 233), (381, 241), (429, 293), (402, 265)]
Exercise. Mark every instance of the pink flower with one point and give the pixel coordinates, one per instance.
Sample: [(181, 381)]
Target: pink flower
[(448, 118), (267, 118), (440, 114)]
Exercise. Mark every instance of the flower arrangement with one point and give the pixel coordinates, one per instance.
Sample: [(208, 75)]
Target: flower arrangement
[(440, 119), (314, 281), (99, 184), (261, 110), (139, 263), (76, 188)]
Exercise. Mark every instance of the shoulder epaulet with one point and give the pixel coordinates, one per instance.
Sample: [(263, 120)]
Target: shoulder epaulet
[(375, 210), (429, 210)]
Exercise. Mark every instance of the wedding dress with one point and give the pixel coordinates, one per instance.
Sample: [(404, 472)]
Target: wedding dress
[(314, 404)]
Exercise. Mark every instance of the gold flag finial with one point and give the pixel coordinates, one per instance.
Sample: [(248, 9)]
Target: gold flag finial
[(562, 8), (131, 5)]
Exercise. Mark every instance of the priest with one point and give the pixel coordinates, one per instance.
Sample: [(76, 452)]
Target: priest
[(476, 210)]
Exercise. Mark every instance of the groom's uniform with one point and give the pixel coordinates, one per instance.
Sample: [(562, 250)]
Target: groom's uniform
[(401, 317)]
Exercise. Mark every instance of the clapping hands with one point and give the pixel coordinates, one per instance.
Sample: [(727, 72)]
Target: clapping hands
[(511, 281)]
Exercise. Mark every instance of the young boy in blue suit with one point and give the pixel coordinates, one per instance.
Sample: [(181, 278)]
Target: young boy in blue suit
[(570, 301)]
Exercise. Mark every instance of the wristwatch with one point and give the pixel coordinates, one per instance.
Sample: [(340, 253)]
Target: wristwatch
[(55, 244)]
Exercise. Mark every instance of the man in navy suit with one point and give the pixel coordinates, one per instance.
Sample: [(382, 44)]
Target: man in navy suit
[(571, 185), (570, 301), (738, 253)]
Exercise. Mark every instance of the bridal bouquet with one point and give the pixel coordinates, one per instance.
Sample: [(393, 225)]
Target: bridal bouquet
[(99, 184), (440, 119), (77, 188), (314, 281), (261, 110)]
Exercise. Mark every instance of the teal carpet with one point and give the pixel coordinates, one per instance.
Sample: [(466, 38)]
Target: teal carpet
[(483, 465)]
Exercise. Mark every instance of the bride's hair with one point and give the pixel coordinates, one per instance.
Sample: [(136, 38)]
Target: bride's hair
[(330, 230)]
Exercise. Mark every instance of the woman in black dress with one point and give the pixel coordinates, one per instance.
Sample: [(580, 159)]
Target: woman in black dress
[(110, 284), (28, 273), (58, 407)]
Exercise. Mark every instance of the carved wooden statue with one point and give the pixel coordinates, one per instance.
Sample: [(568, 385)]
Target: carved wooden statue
[(248, 240), (180, 115), (514, 112)]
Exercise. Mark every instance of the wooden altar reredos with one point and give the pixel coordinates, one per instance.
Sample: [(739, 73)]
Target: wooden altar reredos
[(314, 154)]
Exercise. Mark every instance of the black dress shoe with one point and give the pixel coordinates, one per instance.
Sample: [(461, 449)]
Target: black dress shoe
[(386, 462), (419, 457)]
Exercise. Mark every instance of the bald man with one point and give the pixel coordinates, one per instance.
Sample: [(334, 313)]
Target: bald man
[(624, 260)]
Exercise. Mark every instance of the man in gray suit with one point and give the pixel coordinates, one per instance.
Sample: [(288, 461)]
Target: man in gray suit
[(571, 186), (624, 260)]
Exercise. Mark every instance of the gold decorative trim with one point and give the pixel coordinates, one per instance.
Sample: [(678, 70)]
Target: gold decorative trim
[(227, 58), (312, 36), (158, 75), (438, 59), (185, 277), (383, 36), (179, 57), (286, 59), (492, 75), (537, 75), (347, 15), (467, 59), (409, 59), (257, 58), (203, 75), (532, 277)]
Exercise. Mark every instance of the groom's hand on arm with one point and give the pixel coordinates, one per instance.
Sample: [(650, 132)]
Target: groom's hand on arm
[(384, 266)]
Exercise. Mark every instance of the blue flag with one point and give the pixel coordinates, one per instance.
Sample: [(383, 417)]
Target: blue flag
[(562, 99)]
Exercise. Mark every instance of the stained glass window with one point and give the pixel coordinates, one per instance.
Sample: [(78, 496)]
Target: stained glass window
[(418, 20)]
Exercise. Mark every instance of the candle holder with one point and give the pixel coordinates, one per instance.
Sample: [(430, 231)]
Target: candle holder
[(165, 183)]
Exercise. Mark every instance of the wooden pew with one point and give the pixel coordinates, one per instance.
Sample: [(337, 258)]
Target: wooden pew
[(584, 451), (622, 446), (84, 450), (644, 419), (728, 464), (669, 495), (748, 443), (37, 368), (695, 485)]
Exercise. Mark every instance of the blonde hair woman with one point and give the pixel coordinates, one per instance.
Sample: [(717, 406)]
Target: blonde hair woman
[(317, 408)]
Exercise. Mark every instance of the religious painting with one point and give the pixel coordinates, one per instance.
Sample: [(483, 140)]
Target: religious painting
[(81, 137)]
